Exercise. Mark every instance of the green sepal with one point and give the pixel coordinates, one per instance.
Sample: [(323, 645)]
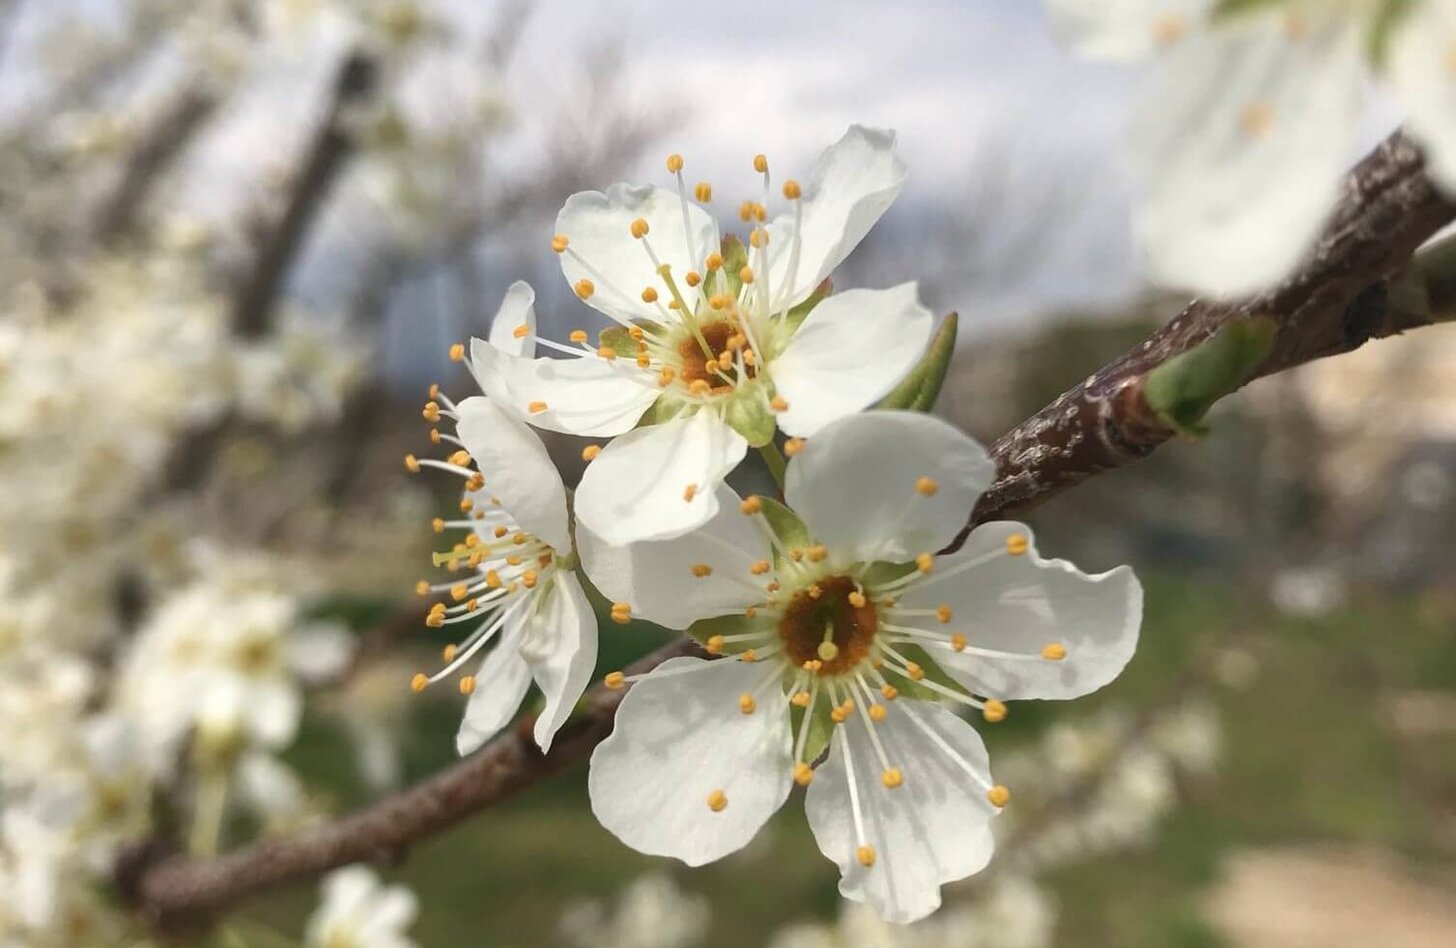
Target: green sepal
[(786, 526), (667, 407), (921, 387), (619, 340), (748, 412), (795, 317), (733, 624), (1229, 8), (726, 279), (821, 729), (1184, 388), (933, 672), (1382, 26)]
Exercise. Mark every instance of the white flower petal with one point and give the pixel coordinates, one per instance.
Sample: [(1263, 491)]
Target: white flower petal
[(320, 651), (585, 396), (856, 485), (678, 739), (500, 686), (1022, 603), (517, 469), (603, 250), (559, 642), (854, 182), (1419, 60), (1124, 29), (660, 481), (517, 309), (656, 577), (1241, 149), (930, 830), (851, 350)]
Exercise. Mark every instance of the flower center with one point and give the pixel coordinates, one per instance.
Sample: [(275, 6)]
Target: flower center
[(821, 624)]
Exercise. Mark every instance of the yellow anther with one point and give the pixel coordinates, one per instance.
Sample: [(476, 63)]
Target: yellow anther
[(615, 680), (514, 560), (492, 579), (718, 301), (750, 656), (792, 191), (865, 855), (1017, 544), (520, 331), (890, 692), (827, 651), (760, 164), (714, 261), (958, 641), (943, 613), (779, 403), (606, 352), (915, 672), (434, 436), (751, 504), (590, 452), (749, 357), (772, 587), (461, 458), (431, 412), (714, 645), (529, 578), (927, 486), (466, 504), (745, 211), (636, 332), (892, 778), (457, 352), (560, 242), (813, 665), (994, 710), (437, 525), (877, 712), (665, 376), (711, 366), (1256, 119), (998, 795), (422, 588), (467, 684), (925, 562), (459, 592), (639, 228), (793, 446), (750, 612), (649, 295), (536, 408), (817, 553), (745, 275), (578, 335), (448, 652), (717, 800), (689, 492), (585, 288), (838, 715), (758, 238), (1054, 652), (643, 361), (500, 531), (800, 699), (674, 163), (746, 704), (700, 387), (760, 567), (693, 278), (419, 682), (803, 774), (702, 570), (815, 591), (857, 599)]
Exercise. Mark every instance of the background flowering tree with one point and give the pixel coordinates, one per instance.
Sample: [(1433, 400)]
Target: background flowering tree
[(240, 238)]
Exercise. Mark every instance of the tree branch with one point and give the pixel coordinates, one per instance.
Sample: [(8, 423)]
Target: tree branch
[(1340, 299), (326, 156)]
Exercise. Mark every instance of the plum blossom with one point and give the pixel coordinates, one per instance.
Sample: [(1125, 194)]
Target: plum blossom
[(1254, 113), (359, 912), (840, 629), (512, 570), (718, 345)]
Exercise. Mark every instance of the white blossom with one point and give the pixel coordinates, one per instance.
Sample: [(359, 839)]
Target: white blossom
[(359, 912)]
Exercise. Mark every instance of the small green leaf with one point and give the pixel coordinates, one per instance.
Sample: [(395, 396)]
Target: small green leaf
[(1184, 388), (920, 388), (821, 729)]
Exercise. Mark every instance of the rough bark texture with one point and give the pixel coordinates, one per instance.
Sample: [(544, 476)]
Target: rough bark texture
[(1338, 301)]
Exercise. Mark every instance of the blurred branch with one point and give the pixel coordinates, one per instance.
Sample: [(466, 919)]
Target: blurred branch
[(1343, 296), (329, 152)]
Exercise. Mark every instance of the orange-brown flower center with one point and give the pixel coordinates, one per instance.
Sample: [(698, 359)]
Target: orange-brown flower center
[(695, 362), (810, 620)]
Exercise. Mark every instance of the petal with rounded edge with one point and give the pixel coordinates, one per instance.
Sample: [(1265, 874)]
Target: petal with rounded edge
[(500, 686), (932, 829), (603, 250), (1241, 150), (679, 740), (1021, 604), (854, 182), (559, 642), (517, 469), (887, 485), (514, 328), (851, 350), (660, 481), (580, 396), (656, 577)]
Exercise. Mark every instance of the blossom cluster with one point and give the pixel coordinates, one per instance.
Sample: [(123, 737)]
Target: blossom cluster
[(849, 632)]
